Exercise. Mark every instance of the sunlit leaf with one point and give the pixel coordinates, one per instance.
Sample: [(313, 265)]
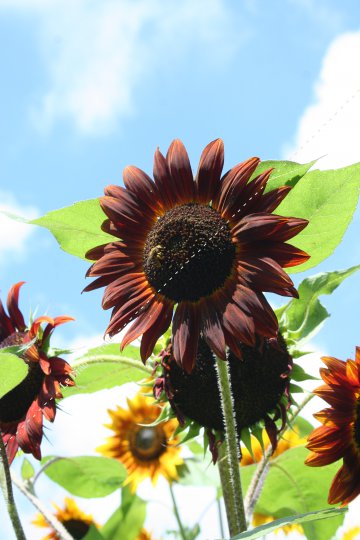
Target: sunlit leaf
[(27, 470), (87, 476), (106, 367), (291, 488), (12, 371), (285, 173), (303, 519), (77, 228), (328, 200), (302, 318), (127, 521)]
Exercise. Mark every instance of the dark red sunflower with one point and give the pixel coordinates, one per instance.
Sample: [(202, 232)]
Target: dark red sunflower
[(259, 383), (207, 246), (339, 436), (23, 408)]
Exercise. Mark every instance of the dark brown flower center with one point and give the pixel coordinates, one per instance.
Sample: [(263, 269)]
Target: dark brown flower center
[(357, 424), (15, 404), (147, 443), (189, 253), (257, 381), (77, 528)]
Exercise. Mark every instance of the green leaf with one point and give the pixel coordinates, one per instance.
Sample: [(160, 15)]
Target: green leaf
[(127, 521), (105, 367), (299, 374), (286, 173), (328, 200), (93, 534), (87, 476), (12, 371), (301, 318), (27, 470), (198, 473), (262, 531), (77, 228), (292, 487)]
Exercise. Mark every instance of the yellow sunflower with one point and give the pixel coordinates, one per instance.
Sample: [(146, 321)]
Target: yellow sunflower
[(144, 535), (290, 439), (352, 534), (76, 522), (146, 451)]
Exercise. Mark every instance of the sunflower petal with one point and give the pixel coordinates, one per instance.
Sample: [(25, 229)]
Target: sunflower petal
[(208, 175)]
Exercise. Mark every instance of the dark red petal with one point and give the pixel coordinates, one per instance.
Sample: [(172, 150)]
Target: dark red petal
[(110, 228), (212, 330), (102, 281), (252, 194), (143, 322), (234, 182), (124, 288), (164, 181), (272, 199), (284, 254), (233, 343), (264, 274), (141, 185), (345, 486), (96, 252), (186, 329), (111, 263), (259, 226), (12, 446), (127, 215), (239, 324), (209, 172), (127, 312), (255, 305), (6, 326), (16, 316), (180, 170), (158, 328)]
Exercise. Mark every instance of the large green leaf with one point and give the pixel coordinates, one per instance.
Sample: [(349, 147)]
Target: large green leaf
[(286, 173), (198, 473), (291, 487), (127, 521), (12, 371), (106, 367), (261, 532), (301, 318), (328, 200), (77, 228), (87, 476)]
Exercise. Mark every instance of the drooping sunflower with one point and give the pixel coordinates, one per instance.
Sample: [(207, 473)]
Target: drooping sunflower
[(75, 521), (260, 387), (146, 451), (207, 247), (23, 408), (339, 436)]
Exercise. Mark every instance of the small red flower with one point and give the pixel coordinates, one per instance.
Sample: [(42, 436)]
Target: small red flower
[(23, 408), (203, 247), (339, 436)]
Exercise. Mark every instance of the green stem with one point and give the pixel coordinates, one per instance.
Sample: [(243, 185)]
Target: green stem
[(262, 469), (111, 359), (176, 512), (229, 464), (54, 523), (6, 486)]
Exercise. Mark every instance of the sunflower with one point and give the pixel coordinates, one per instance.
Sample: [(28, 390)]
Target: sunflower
[(260, 388), (144, 535), (206, 246), (23, 408), (339, 436), (352, 534), (145, 450), (76, 522)]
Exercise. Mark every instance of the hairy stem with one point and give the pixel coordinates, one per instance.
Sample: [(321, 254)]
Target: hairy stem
[(262, 469), (229, 462), (54, 523), (6, 487)]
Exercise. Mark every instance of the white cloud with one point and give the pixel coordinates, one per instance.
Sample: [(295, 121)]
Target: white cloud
[(330, 127), (98, 53), (14, 235)]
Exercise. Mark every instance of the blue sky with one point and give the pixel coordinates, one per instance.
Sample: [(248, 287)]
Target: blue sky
[(88, 87)]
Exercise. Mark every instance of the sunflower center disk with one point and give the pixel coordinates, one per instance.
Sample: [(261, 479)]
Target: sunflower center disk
[(189, 253), (148, 443), (77, 528), (15, 404), (357, 424)]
